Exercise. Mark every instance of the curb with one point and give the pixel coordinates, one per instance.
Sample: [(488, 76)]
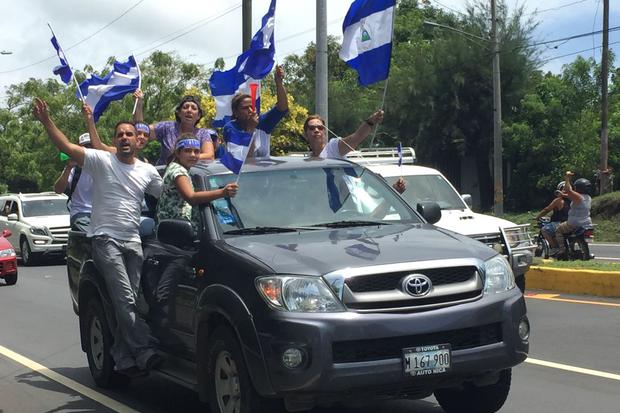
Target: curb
[(574, 281)]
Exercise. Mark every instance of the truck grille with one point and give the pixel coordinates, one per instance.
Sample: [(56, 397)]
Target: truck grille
[(387, 348), (383, 282), (59, 235)]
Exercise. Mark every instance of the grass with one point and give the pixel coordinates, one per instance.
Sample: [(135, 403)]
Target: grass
[(585, 265), (607, 229)]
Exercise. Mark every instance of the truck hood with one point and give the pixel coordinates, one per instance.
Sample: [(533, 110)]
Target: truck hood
[(51, 221), (322, 251), (469, 223)]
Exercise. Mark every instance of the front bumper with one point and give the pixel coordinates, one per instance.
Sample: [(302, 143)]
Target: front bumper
[(346, 352), (41, 244), (8, 266)]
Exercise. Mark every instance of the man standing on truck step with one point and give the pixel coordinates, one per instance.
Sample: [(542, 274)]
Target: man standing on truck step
[(120, 181), (315, 134)]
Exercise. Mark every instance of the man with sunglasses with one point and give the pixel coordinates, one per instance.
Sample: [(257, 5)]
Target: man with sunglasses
[(78, 185), (316, 136)]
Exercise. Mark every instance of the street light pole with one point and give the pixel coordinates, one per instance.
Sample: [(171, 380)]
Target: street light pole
[(246, 24), (498, 183), (603, 170), (321, 88)]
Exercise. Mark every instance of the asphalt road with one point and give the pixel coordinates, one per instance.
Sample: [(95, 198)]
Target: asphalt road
[(606, 251), (42, 368)]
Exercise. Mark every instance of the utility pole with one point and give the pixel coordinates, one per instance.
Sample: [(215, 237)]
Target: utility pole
[(321, 59), (498, 184), (246, 18), (603, 174)]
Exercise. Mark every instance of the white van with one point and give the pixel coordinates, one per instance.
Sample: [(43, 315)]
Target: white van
[(427, 184)]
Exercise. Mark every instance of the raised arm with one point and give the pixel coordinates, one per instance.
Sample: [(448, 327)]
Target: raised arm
[(282, 102), (95, 140), (63, 180), (351, 142), (573, 195), (138, 115), (195, 198), (41, 113)]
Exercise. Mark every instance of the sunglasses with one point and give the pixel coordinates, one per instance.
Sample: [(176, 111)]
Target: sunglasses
[(313, 127)]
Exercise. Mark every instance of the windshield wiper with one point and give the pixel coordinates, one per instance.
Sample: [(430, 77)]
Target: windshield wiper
[(344, 224), (260, 230)]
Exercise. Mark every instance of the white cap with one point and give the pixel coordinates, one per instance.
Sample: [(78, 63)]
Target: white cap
[(84, 139)]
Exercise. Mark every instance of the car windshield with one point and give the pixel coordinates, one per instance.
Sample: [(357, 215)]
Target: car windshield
[(430, 188), (307, 198), (44, 207)]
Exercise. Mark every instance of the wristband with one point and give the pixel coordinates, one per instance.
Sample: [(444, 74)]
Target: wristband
[(369, 123)]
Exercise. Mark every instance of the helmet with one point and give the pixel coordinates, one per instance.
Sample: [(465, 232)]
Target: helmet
[(560, 186), (582, 185)]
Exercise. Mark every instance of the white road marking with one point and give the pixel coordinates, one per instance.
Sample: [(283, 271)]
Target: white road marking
[(605, 245), (67, 382), (596, 257), (573, 369)]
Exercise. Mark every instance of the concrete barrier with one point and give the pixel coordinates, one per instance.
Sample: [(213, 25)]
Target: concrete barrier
[(574, 281)]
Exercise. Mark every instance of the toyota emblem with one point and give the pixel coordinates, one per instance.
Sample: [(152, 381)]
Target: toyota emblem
[(417, 285)]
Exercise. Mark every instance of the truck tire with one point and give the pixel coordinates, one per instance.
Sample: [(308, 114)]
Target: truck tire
[(10, 279), (229, 385), (99, 340), (471, 398), (26, 253)]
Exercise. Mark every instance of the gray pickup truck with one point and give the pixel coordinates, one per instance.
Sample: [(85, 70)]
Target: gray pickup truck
[(316, 285)]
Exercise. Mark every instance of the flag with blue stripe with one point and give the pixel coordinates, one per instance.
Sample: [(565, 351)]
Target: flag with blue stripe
[(237, 149), (367, 39), (63, 69), (399, 150), (251, 66), (100, 91)]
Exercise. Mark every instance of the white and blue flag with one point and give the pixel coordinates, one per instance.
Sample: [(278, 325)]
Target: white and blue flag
[(100, 91), (252, 65), (399, 150), (237, 149), (367, 39), (63, 69)]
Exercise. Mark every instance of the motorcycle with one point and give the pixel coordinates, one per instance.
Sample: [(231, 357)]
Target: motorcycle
[(576, 243)]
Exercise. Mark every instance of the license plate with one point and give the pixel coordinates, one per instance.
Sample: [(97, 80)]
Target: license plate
[(427, 360)]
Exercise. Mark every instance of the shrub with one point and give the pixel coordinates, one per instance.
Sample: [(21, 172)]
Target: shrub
[(606, 206)]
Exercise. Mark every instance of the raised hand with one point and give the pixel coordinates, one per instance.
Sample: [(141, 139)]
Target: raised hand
[(40, 110)]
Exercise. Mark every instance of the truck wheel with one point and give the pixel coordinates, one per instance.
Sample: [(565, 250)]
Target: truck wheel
[(10, 279), (470, 398), (26, 252), (99, 340), (229, 387)]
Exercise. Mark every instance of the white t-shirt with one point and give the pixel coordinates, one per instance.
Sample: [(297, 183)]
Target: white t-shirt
[(82, 197), (118, 191), (331, 150)]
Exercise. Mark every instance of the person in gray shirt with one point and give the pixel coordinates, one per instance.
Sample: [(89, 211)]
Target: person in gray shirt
[(579, 212)]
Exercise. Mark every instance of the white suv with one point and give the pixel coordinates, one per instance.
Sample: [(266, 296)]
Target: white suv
[(427, 184), (39, 223)]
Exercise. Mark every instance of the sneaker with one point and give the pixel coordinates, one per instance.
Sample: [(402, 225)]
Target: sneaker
[(154, 361), (133, 372)]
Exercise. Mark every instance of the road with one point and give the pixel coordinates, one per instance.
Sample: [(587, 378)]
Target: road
[(42, 368), (606, 251)]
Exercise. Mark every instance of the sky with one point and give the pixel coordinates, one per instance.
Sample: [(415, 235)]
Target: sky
[(200, 31)]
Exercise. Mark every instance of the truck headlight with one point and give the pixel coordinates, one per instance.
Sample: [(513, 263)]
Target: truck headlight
[(38, 231), (298, 294), (7, 253), (498, 275)]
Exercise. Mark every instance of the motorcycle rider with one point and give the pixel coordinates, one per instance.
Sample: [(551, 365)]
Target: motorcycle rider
[(579, 212), (560, 207)]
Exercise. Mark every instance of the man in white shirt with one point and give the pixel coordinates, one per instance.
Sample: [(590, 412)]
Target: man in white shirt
[(315, 133), (78, 185), (120, 181)]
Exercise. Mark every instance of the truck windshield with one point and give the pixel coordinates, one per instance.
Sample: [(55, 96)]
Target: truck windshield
[(44, 207), (308, 198), (430, 188)]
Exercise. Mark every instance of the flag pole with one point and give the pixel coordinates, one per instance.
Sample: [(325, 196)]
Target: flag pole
[(135, 104), (69, 64)]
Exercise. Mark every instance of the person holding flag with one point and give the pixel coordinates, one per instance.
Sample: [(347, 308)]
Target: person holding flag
[(187, 115), (246, 119)]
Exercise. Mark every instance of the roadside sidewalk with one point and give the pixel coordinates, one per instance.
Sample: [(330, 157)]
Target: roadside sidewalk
[(574, 281)]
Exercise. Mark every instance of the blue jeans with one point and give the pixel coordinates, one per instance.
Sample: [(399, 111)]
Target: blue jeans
[(80, 221), (120, 264)]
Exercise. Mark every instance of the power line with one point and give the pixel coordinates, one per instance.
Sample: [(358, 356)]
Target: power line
[(75, 44), (556, 8), (449, 8), (577, 36), (574, 53)]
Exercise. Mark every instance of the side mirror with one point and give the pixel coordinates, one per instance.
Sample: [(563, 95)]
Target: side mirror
[(430, 211), (6, 233), (177, 232), (12, 217), (467, 200)]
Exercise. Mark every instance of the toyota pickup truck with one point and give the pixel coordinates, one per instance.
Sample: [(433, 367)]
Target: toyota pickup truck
[(317, 284)]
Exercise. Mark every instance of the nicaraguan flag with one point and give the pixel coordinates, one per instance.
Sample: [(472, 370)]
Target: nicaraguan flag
[(367, 39), (252, 65), (399, 150), (63, 69), (237, 149), (99, 92)]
